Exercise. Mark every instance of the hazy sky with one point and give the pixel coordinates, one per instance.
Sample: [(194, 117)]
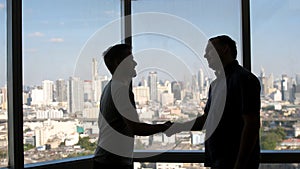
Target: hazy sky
[(60, 37)]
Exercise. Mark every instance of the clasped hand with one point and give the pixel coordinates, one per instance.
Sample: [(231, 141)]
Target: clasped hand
[(173, 128)]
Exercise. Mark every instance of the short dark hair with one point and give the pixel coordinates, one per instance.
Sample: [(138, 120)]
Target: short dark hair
[(225, 40), (114, 55)]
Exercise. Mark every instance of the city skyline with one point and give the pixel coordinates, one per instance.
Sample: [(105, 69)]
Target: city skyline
[(64, 73), (54, 41)]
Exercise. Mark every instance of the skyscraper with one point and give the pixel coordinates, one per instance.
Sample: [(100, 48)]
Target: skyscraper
[(141, 94), (37, 96), (75, 95), (176, 90), (200, 80), (195, 86), (95, 80), (152, 83), (61, 90), (87, 91), (94, 69), (285, 87), (47, 91)]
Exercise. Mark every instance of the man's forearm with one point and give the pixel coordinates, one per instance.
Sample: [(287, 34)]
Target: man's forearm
[(198, 123)]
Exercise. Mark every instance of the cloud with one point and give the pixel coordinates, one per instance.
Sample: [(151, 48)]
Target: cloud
[(36, 34), (2, 6), (56, 40)]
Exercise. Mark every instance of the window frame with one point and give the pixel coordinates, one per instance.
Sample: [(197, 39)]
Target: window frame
[(14, 84), (15, 104)]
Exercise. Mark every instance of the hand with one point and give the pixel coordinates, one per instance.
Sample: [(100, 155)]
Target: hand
[(167, 125), (175, 128)]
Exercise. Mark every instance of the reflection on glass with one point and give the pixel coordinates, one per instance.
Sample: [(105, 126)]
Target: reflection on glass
[(173, 76), (63, 45), (3, 88), (276, 63)]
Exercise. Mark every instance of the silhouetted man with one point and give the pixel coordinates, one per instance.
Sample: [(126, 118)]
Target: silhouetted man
[(231, 116), (118, 120)]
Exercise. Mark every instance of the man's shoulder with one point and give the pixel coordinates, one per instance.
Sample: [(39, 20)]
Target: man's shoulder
[(243, 72), (248, 78)]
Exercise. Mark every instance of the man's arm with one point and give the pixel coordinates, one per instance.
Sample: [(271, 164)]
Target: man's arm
[(249, 137), (124, 102), (145, 129), (193, 125)]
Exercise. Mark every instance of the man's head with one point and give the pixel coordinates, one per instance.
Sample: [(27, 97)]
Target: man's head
[(114, 55), (220, 49)]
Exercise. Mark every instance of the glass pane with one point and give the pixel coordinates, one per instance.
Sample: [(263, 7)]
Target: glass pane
[(63, 45), (275, 44), (3, 88), (169, 39)]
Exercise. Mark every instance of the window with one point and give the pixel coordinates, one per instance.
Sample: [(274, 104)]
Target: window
[(3, 87), (274, 32), (60, 41), (169, 38), (63, 41)]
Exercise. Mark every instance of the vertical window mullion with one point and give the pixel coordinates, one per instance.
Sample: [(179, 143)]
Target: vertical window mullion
[(14, 84), (126, 21), (246, 38)]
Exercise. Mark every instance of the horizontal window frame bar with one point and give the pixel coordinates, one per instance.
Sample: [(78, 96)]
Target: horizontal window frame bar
[(68, 163), (197, 156), (161, 156)]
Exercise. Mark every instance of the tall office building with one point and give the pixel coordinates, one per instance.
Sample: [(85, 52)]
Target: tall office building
[(285, 87), (75, 95), (176, 90), (195, 86), (98, 82), (296, 94), (61, 90), (262, 79), (40, 138), (201, 80), (88, 91), (152, 83), (141, 94), (164, 87), (37, 97), (47, 91), (266, 83), (94, 69)]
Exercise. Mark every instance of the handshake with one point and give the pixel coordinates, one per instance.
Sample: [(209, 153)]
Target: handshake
[(170, 128)]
